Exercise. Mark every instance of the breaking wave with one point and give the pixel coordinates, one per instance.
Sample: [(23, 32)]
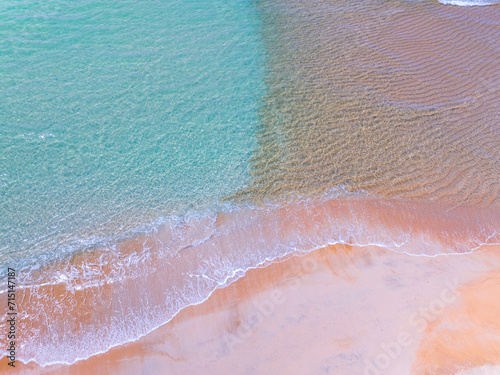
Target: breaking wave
[(89, 302)]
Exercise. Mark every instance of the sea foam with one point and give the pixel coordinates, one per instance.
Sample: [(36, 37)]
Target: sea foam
[(469, 3), (95, 300)]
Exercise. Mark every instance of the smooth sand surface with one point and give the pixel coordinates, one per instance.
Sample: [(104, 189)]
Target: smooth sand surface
[(339, 310)]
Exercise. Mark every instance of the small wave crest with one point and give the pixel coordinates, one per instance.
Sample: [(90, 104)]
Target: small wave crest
[(98, 299), (469, 3)]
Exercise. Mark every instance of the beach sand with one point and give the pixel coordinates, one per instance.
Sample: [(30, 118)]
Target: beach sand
[(338, 310), (94, 300), (356, 102)]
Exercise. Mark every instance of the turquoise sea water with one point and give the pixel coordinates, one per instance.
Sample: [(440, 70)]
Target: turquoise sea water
[(114, 114), (126, 118)]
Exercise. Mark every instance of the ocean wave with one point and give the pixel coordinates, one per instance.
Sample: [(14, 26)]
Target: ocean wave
[(95, 300), (469, 3)]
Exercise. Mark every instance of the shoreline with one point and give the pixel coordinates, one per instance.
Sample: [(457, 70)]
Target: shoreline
[(376, 154), (278, 303), (183, 265)]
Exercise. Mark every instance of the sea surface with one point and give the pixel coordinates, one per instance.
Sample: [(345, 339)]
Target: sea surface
[(116, 114), (152, 152)]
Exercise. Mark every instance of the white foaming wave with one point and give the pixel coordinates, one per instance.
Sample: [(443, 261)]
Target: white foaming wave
[(469, 3), (188, 258)]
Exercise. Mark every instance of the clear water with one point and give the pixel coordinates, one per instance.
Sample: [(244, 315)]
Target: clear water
[(114, 114), (118, 117)]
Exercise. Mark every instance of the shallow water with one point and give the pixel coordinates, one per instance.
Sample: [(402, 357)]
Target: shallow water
[(150, 167), (115, 114), (396, 99)]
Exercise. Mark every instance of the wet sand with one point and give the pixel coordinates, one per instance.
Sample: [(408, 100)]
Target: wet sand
[(352, 102), (131, 289), (338, 310)]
